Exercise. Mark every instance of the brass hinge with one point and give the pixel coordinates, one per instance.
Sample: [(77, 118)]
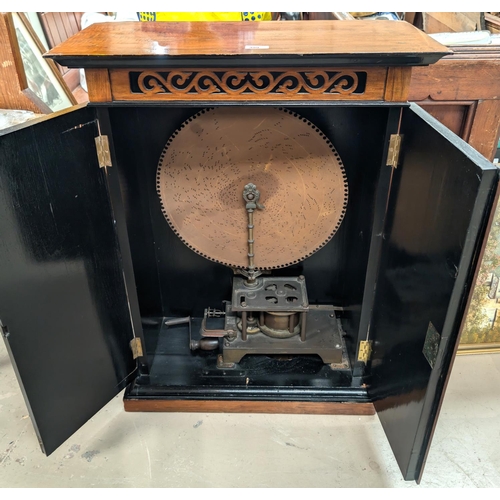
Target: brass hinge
[(103, 154), (394, 150), (136, 346), (365, 351)]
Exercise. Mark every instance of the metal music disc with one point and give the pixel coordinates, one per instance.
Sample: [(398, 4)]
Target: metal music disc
[(213, 155)]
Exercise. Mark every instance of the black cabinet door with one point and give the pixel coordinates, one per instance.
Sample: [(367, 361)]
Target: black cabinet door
[(63, 303), (441, 196)]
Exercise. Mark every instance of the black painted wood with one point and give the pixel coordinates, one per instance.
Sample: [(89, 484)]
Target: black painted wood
[(179, 373), (277, 103), (441, 198), (62, 295), (383, 191), (123, 240), (247, 61)]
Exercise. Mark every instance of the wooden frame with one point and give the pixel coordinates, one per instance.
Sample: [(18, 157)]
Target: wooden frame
[(283, 407), (42, 82), (481, 307), (486, 348)]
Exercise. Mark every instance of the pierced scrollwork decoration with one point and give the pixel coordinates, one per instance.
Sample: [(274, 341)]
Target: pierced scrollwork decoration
[(243, 83)]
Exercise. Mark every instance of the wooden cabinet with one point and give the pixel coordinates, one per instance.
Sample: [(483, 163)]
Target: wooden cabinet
[(463, 92), (90, 267)]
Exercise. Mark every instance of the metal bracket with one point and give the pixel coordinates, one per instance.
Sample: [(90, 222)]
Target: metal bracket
[(431, 344), (103, 153), (221, 364), (251, 196), (3, 331), (394, 150), (136, 346), (365, 351)]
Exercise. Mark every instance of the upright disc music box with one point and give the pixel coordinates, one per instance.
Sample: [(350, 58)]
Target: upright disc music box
[(247, 217)]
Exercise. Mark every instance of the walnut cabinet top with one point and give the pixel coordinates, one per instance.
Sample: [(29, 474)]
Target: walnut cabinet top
[(206, 44)]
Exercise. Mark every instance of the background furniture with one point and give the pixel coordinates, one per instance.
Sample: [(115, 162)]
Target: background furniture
[(463, 92), (58, 27), (14, 91)]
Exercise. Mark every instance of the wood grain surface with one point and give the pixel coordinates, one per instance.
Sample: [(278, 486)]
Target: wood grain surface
[(99, 88), (485, 129), (456, 115), (283, 407), (457, 79), (446, 22), (161, 40), (466, 87), (397, 85), (239, 84)]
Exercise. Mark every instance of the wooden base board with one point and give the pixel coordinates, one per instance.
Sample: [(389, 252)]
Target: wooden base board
[(287, 407)]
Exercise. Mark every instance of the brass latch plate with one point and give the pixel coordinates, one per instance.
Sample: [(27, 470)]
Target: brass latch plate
[(136, 346), (365, 351), (394, 150), (103, 154)]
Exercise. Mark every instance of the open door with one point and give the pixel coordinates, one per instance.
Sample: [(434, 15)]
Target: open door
[(63, 303), (441, 196)]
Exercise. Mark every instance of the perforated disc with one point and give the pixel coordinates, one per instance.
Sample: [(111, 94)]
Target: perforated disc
[(213, 155)]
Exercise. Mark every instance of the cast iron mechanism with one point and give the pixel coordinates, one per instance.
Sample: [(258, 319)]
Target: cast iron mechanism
[(278, 302), (271, 318), (274, 306), (322, 335), (209, 340)]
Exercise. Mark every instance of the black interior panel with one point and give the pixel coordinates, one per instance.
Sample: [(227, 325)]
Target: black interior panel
[(62, 296)]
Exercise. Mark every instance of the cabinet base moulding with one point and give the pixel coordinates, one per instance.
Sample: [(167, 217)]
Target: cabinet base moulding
[(283, 407)]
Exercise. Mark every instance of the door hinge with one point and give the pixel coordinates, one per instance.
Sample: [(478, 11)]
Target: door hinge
[(103, 154), (136, 346), (394, 150), (365, 351)]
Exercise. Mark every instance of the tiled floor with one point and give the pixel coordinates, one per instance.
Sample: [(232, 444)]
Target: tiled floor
[(118, 449)]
